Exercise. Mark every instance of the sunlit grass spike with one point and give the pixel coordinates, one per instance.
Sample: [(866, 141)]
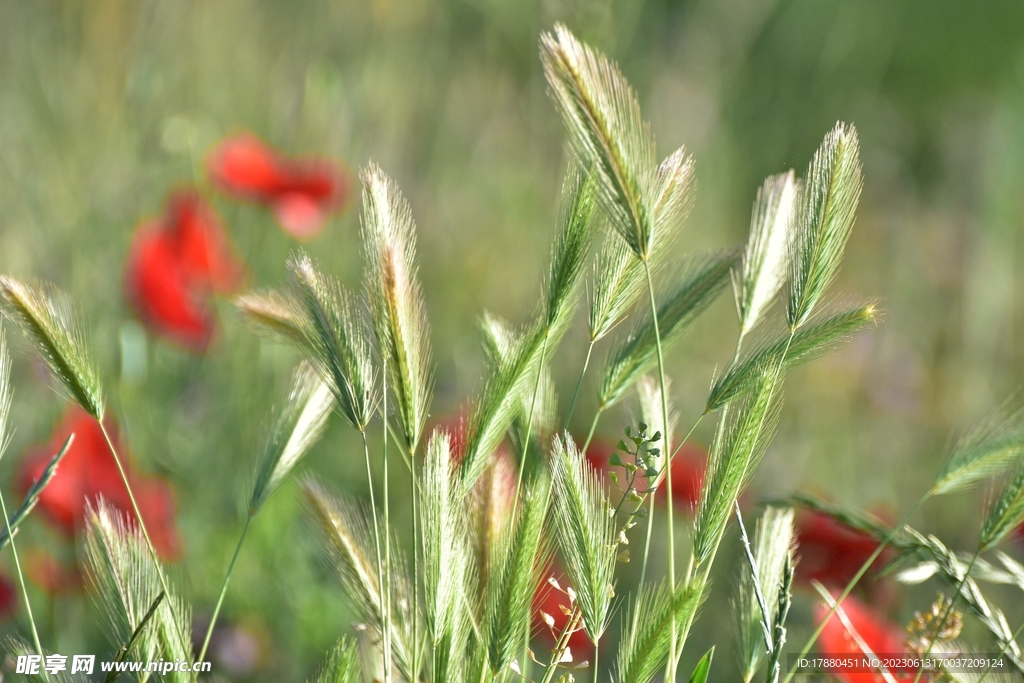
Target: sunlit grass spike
[(122, 573), (339, 344), (764, 265), (586, 534), (348, 549), (342, 664), (396, 300), (826, 331), (572, 242), (992, 447), (740, 442), (618, 283), (275, 314), (673, 195), (1006, 511), (645, 644), (446, 559), (50, 321), (297, 424), (516, 563), (602, 116), (831, 192)]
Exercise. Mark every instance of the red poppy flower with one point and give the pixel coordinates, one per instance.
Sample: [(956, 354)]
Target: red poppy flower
[(8, 598), (688, 470), (175, 264), (549, 617), (831, 552), (87, 472), (867, 630), (300, 192)]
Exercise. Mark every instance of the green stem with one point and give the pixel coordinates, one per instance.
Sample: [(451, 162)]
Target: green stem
[(1002, 651), (597, 650), (949, 610), (384, 616), (853, 582), (21, 579), (142, 526), (579, 383), (670, 671), (389, 634), (417, 651), (224, 589), (593, 428), (525, 452)]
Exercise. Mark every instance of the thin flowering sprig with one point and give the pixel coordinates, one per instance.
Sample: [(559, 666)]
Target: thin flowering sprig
[(644, 457)]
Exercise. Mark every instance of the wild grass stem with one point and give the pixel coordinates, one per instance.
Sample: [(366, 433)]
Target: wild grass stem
[(417, 650), (138, 516), (579, 383), (386, 589), (671, 668), (529, 427), (593, 428), (224, 589), (21, 579), (384, 616)]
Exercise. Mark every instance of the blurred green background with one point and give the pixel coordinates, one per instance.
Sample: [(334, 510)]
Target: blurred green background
[(106, 105)]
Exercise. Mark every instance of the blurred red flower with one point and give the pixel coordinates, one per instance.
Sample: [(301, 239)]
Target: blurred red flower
[(300, 192), (549, 617), (8, 598), (53, 577), (878, 634), (87, 472), (831, 552), (175, 264), (689, 467)]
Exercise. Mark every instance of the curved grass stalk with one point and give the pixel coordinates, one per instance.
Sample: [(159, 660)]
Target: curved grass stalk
[(529, 426), (579, 383), (670, 671), (224, 589), (386, 588), (593, 428), (138, 516), (385, 616), (415, 564), (21, 579)]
